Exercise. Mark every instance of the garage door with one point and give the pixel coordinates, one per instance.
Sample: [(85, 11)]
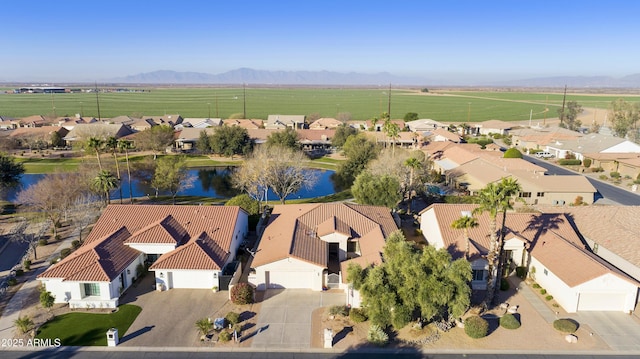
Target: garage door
[(289, 280), (192, 279), (601, 301)]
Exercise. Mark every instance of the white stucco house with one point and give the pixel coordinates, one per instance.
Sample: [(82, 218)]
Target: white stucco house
[(186, 246), (310, 245), (546, 244)]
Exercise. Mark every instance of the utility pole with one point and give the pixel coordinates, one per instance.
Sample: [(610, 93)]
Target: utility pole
[(216, 96), (389, 104), (244, 100), (98, 102), (563, 102)]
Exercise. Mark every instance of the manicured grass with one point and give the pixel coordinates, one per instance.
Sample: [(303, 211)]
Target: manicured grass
[(48, 165), (84, 329), (327, 102)]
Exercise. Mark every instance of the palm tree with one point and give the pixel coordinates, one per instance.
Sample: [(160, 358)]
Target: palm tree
[(112, 144), (96, 143), (125, 146), (464, 223), (493, 199), (413, 164), (103, 183)]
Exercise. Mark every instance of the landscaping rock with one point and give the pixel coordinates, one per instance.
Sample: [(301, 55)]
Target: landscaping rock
[(570, 338)]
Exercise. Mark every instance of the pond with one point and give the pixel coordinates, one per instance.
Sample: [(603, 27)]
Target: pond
[(212, 182)]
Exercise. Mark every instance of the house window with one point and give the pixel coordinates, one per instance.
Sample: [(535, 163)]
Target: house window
[(478, 274), (352, 246), (525, 194), (546, 272), (91, 289), (540, 194)]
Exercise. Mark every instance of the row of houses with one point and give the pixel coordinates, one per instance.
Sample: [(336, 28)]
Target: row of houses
[(309, 246)]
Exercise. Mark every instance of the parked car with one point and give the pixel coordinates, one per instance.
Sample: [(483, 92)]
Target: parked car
[(543, 155)]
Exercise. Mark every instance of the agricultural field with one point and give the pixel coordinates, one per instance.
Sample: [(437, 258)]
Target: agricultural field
[(362, 104)]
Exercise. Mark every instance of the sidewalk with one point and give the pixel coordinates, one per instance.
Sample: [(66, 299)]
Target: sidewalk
[(15, 306)]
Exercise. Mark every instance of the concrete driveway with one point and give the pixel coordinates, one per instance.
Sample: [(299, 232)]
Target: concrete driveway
[(619, 330), (168, 318), (284, 320)]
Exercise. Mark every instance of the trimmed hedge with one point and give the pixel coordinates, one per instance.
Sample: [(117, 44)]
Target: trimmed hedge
[(569, 162), (476, 327), (242, 293), (512, 153), (224, 336), (233, 318), (509, 321), (565, 325)]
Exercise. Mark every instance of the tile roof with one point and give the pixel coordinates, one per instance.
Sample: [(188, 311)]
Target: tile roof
[(293, 230), (166, 230), (200, 253), (494, 124), (593, 142), (550, 238), (450, 136), (553, 183), (324, 123)]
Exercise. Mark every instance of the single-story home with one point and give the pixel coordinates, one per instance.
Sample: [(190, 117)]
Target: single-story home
[(491, 126), (547, 245), (310, 245), (186, 247), (280, 122)]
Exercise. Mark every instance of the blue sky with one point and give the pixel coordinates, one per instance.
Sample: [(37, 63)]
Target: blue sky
[(475, 40)]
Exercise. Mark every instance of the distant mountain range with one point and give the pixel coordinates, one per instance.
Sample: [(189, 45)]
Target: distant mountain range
[(301, 78)]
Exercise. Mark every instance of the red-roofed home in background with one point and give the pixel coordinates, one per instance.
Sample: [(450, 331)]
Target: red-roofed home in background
[(186, 246)]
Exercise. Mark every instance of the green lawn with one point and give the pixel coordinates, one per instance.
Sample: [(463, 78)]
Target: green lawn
[(48, 165), (84, 329), (327, 102)]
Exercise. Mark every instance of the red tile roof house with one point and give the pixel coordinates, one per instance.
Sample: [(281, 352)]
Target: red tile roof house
[(577, 279), (188, 246), (310, 245)]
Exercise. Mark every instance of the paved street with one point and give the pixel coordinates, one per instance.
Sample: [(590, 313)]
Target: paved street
[(284, 320)]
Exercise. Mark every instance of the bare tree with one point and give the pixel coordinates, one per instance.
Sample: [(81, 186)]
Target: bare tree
[(31, 234), (86, 209)]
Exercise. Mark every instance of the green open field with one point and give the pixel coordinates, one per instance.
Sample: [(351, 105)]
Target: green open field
[(260, 102)]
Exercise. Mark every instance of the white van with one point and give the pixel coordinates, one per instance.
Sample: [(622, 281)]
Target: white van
[(543, 155)]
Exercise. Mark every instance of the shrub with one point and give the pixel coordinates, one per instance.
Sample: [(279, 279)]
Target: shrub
[(233, 318), (509, 321), (65, 252), (578, 201), (42, 242), (536, 285), (25, 324), (614, 174), (603, 177), (46, 299), (476, 327), (512, 153), (58, 237), (12, 281), (548, 298), (224, 336), (521, 272), (358, 315), (54, 260), (245, 202), (75, 244), (19, 272), (204, 325), (377, 336), (565, 325), (569, 162), (504, 284), (242, 294), (543, 291), (26, 264), (338, 310), (586, 162)]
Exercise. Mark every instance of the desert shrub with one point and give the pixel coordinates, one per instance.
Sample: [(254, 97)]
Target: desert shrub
[(614, 174), (565, 325), (75, 244), (54, 260), (543, 291), (521, 272), (548, 298), (26, 264), (536, 285), (25, 324), (358, 315), (476, 327), (509, 321), (569, 162), (512, 153), (233, 318), (338, 310), (377, 336), (12, 281), (242, 294), (578, 201), (42, 242), (603, 177), (586, 162), (504, 284), (224, 336), (65, 252), (58, 237)]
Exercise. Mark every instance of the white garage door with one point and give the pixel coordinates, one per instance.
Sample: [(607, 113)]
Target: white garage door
[(192, 279), (289, 280), (601, 301)]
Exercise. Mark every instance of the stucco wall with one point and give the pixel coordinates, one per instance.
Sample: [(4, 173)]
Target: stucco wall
[(562, 294)]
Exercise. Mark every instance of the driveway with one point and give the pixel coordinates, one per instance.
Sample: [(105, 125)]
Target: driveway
[(284, 320), (619, 330), (168, 318)]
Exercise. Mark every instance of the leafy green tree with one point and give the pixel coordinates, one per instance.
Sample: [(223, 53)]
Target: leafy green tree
[(231, 140), (156, 139), (56, 139), (376, 190), (358, 150), (286, 138), (96, 144), (624, 117), (493, 199), (512, 153), (245, 202), (569, 115), (464, 223), (103, 183), (410, 116), (10, 171), (171, 175), (410, 280), (203, 144), (46, 299), (343, 132)]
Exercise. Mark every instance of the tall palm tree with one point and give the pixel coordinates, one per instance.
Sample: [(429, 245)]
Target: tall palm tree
[(112, 144), (125, 146), (96, 143), (103, 183), (464, 223), (413, 164), (493, 199)]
